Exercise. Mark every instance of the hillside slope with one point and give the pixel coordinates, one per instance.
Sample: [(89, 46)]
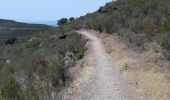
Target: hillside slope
[(37, 67), (138, 22), (11, 29), (144, 27)]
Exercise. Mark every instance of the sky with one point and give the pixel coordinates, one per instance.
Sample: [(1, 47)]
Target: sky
[(46, 10)]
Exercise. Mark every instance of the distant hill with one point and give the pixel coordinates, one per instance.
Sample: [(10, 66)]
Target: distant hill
[(14, 24), (12, 29), (50, 23)]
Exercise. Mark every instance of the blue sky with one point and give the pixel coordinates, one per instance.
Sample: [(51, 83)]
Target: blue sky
[(46, 10)]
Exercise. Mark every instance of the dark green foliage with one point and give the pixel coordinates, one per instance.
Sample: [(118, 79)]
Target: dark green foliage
[(167, 24), (2, 62), (165, 41), (80, 52), (71, 19), (62, 21), (10, 41)]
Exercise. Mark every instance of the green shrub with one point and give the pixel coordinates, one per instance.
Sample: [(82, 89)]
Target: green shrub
[(10, 41), (167, 24), (31, 93), (62, 21), (165, 41), (71, 19), (2, 62), (11, 90), (80, 52)]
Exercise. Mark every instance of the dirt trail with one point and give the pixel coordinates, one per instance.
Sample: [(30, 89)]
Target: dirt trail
[(112, 71), (105, 82), (100, 78)]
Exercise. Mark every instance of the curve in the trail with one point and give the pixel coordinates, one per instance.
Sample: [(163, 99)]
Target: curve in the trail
[(106, 82)]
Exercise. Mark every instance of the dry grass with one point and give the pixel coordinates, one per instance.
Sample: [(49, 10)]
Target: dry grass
[(151, 84)]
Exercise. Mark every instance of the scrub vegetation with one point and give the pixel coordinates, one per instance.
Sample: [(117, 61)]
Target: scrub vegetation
[(138, 22), (37, 66)]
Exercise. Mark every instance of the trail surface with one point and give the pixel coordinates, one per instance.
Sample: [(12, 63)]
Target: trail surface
[(100, 78), (105, 82)]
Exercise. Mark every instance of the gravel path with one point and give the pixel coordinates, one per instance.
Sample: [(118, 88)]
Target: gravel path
[(99, 78), (106, 82)]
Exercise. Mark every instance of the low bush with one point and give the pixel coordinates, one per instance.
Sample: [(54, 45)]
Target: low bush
[(165, 41), (10, 41), (11, 90), (31, 93)]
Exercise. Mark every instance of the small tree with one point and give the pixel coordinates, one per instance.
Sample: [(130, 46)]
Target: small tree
[(62, 21), (71, 19)]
